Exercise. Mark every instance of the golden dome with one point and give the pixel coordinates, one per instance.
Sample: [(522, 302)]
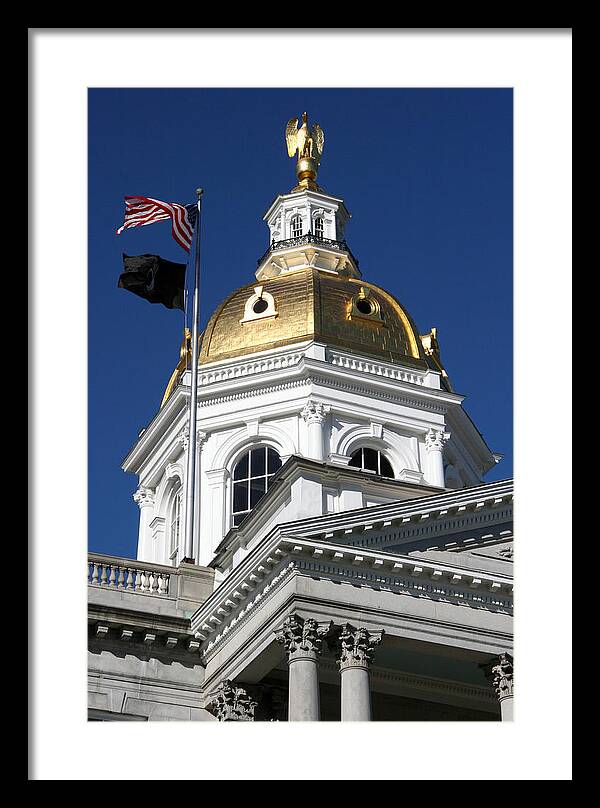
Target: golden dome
[(313, 305)]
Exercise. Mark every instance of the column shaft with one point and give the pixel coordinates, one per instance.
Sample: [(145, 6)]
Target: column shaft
[(434, 444), (506, 708), (356, 694), (315, 439), (436, 468), (304, 702)]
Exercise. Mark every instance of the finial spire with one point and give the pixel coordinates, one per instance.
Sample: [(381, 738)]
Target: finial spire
[(308, 143)]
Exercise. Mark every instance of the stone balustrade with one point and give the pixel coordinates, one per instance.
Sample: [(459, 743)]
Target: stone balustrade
[(129, 575)]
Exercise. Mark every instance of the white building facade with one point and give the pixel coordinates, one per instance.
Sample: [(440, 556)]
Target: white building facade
[(349, 562)]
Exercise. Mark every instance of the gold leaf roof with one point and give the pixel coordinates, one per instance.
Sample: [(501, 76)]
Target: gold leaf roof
[(310, 305), (313, 305)]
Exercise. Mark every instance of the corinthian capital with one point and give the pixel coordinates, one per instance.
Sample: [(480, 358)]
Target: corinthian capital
[(500, 674), (314, 412), (230, 703), (184, 438), (356, 646), (302, 638), (144, 496), (435, 439)]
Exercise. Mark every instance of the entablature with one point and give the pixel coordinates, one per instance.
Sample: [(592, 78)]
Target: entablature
[(278, 557)]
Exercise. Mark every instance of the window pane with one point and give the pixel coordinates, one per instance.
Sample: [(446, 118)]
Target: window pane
[(238, 518), (257, 462), (240, 497), (240, 472), (386, 468), (370, 459), (356, 459), (257, 489), (274, 461)]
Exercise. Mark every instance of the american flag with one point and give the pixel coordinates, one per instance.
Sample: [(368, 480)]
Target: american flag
[(141, 210)]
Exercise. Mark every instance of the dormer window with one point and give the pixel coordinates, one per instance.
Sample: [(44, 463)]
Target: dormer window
[(365, 307), (259, 306), (319, 227), (296, 226)]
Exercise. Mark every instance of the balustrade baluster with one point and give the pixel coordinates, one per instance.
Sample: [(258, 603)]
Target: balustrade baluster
[(132, 578)]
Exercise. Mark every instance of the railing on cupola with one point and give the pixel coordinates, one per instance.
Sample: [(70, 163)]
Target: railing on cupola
[(307, 238)]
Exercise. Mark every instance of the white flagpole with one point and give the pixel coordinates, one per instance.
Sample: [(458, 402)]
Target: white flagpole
[(192, 448)]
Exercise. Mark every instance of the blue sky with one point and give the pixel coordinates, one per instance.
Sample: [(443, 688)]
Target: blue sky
[(425, 173)]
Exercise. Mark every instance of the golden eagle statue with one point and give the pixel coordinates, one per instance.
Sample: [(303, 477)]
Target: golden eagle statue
[(308, 143)]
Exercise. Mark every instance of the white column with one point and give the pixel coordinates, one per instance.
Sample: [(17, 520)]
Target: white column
[(145, 499), (434, 443), (192, 553), (302, 640), (356, 648), (201, 437), (314, 414), (500, 674)]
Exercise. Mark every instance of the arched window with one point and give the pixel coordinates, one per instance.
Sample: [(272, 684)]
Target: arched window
[(175, 526), (251, 478), (296, 226), (372, 460), (319, 227)]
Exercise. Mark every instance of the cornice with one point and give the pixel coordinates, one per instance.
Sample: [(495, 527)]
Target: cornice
[(444, 513), (280, 370), (270, 564), (426, 398), (151, 435), (316, 196), (109, 627), (311, 372), (252, 392), (437, 507), (432, 527)]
